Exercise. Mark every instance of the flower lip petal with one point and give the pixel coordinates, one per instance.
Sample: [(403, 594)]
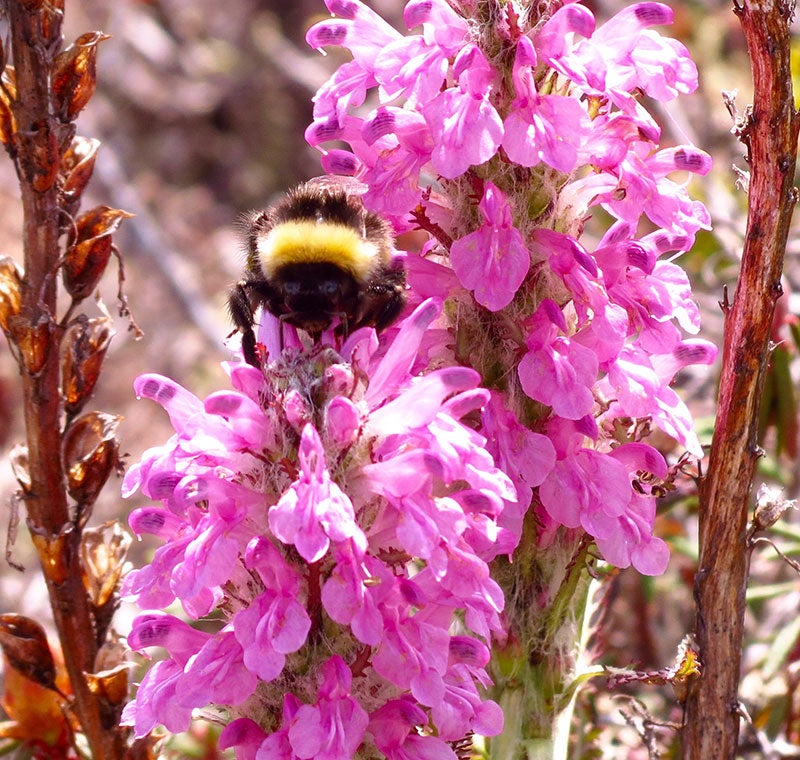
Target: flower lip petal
[(690, 159), (154, 521), (341, 162), (327, 33), (418, 405), (417, 12), (394, 367), (179, 403), (343, 8), (653, 14)]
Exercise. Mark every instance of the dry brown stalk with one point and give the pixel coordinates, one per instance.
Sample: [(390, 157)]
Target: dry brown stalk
[(769, 132)]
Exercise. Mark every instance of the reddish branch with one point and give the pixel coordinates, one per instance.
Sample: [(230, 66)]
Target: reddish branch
[(770, 135), (37, 144)]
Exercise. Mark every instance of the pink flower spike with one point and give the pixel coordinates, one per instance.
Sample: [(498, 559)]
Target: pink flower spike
[(493, 260), (314, 509)]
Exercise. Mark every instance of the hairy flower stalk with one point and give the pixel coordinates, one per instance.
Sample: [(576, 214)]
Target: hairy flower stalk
[(501, 128), (365, 524)]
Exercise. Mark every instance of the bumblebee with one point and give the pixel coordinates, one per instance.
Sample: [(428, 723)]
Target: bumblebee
[(316, 255)]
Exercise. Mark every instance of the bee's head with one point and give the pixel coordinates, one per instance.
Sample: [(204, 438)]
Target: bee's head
[(314, 294)]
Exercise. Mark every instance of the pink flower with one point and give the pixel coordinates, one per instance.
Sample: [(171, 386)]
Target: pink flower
[(416, 66), (462, 706), (201, 667), (557, 371), (547, 128), (592, 490), (314, 510), (465, 126), (276, 622), (413, 651), (277, 744), (493, 260), (526, 457), (643, 186), (585, 490), (393, 174), (619, 56), (217, 674), (639, 381), (362, 31), (350, 596), (395, 728), (157, 704), (244, 734), (334, 727)]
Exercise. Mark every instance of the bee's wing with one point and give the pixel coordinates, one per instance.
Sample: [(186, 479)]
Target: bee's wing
[(350, 185)]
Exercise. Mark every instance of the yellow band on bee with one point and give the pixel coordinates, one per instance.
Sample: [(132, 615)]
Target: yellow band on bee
[(309, 242)]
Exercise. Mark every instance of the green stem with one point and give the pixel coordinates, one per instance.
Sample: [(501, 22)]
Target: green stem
[(535, 670)]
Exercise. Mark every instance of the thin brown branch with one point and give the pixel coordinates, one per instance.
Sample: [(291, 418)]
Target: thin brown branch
[(770, 134), (39, 140)]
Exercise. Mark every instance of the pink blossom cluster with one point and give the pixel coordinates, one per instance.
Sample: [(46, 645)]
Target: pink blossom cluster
[(330, 519), (501, 136)]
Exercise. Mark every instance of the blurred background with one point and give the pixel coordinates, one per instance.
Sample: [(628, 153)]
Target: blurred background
[(201, 108)]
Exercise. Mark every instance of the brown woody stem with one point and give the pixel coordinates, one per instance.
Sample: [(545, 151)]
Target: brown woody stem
[(36, 150), (770, 135)]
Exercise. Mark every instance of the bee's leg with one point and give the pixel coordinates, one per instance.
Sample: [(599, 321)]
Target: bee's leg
[(342, 331), (242, 314), (386, 299), (249, 348)]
